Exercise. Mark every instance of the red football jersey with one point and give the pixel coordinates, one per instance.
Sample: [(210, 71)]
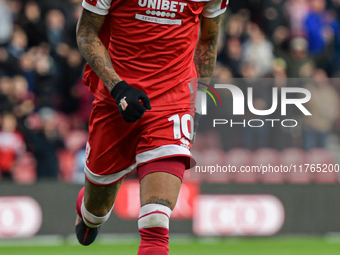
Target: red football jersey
[(151, 44)]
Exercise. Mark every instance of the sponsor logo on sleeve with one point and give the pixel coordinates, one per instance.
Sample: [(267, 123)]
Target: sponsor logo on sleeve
[(92, 2), (87, 152), (224, 4)]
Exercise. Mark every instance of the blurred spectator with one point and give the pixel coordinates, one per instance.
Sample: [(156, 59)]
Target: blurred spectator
[(232, 56), (6, 94), (32, 24), (55, 27), (18, 44), (15, 7), (258, 51), (11, 145), (321, 27), (71, 68), (273, 15), (281, 137), (28, 63), (8, 64), (46, 85), (40, 68), (297, 11), (324, 106), (6, 22), (299, 63), (24, 100), (335, 5), (44, 140), (236, 26), (72, 160)]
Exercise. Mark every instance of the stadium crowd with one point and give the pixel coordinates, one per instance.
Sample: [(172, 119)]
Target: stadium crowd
[(44, 108)]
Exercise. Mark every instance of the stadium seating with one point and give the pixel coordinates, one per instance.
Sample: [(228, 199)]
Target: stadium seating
[(213, 157), (66, 165), (295, 157), (328, 171), (269, 160), (241, 157), (24, 171)]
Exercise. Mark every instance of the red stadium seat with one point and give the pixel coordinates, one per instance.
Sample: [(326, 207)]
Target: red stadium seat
[(24, 171), (67, 165), (322, 166), (75, 140), (212, 158), (241, 158), (294, 158), (267, 160)]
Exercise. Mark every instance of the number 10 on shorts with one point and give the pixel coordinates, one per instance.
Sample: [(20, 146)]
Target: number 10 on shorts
[(183, 124)]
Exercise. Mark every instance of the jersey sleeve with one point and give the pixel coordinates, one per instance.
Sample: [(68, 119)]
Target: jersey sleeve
[(215, 8), (100, 7)]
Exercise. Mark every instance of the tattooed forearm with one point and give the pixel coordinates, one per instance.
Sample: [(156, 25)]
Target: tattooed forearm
[(205, 58), (206, 48), (157, 200), (93, 50)]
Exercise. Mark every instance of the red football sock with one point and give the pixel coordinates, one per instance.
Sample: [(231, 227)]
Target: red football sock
[(153, 224), (154, 241), (80, 201)]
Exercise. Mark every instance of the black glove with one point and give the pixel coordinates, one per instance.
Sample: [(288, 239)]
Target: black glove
[(127, 98)]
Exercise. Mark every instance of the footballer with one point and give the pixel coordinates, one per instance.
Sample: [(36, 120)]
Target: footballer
[(141, 55)]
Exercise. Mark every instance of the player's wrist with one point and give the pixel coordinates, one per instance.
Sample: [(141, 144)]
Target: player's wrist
[(119, 87)]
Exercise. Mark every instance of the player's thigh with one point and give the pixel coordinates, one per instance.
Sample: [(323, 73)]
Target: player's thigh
[(111, 147), (100, 199), (160, 188)]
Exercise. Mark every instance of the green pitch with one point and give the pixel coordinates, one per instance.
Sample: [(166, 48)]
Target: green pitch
[(256, 246)]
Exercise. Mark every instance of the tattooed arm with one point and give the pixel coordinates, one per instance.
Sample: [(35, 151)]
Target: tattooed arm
[(93, 50), (206, 53), (206, 48)]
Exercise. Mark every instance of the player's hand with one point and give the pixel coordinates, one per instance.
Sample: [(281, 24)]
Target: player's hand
[(128, 100)]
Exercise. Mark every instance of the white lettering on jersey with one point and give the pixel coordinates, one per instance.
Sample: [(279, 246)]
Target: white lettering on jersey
[(182, 6), (165, 9), (159, 20), (173, 6), (164, 5), (142, 3)]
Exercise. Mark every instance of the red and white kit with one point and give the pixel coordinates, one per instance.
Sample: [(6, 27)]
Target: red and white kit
[(151, 44)]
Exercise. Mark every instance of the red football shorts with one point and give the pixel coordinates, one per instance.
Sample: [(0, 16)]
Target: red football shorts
[(115, 147)]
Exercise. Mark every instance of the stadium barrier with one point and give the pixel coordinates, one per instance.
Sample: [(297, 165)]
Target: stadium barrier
[(47, 208)]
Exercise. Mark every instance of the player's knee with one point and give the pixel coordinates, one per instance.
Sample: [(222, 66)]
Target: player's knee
[(95, 218)]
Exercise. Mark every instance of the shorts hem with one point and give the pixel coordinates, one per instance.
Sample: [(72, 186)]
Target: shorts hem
[(163, 152), (102, 180)]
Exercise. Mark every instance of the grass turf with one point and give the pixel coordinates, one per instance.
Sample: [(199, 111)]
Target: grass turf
[(248, 246)]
